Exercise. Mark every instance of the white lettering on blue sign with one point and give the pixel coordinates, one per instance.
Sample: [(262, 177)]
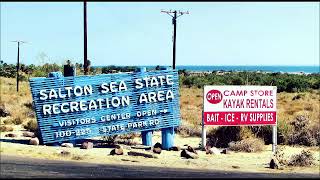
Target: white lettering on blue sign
[(89, 106)]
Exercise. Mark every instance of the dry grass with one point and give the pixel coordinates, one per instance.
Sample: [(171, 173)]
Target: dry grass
[(5, 128), (15, 102), (191, 105), (289, 105), (307, 105)]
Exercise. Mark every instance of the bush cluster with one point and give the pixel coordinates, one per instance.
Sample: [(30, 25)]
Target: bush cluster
[(247, 145), (299, 132), (302, 133), (305, 158), (285, 82), (31, 125)]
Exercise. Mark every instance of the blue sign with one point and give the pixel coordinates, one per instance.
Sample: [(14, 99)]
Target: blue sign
[(79, 107)]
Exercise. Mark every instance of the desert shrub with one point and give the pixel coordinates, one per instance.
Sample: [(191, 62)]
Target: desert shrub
[(279, 154), (17, 121), (7, 121), (265, 133), (29, 105), (315, 131), (128, 136), (4, 128), (31, 125), (222, 136), (188, 130), (301, 134), (39, 73), (305, 158), (3, 111), (247, 145), (109, 139), (77, 157)]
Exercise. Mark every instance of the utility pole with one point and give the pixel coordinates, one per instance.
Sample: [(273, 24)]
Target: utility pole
[(174, 22), (85, 64), (18, 61)]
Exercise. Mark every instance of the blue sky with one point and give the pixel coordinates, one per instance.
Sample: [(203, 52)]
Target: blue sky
[(136, 33)]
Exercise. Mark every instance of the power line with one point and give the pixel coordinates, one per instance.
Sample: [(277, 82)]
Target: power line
[(18, 60), (175, 15)]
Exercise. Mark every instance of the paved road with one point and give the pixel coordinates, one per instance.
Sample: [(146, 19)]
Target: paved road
[(17, 167)]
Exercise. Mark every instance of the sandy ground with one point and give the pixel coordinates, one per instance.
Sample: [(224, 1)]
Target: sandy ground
[(248, 162)]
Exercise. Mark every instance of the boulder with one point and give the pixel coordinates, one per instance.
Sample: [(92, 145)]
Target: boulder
[(189, 155), (28, 134), (141, 147), (212, 150), (225, 151), (11, 135), (274, 164), (87, 145), (117, 151), (157, 145), (143, 154), (34, 141), (175, 148), (157, 150), (68, 145), (191, 149)]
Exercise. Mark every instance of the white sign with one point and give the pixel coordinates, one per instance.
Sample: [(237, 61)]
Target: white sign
[(240, 105)]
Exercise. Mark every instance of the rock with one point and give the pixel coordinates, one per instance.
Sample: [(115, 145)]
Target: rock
[(34, 141), (225, 151), (125, 160), (212, 150), (236, 167), (143, 154), (28, 134), (141, 147), (274, 164), (189, 155), (175, 148), (11, 135), (157, 150), (157, 145), (113, 152), (117, 151), (87, 145), (68, 145), (191, 149)]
